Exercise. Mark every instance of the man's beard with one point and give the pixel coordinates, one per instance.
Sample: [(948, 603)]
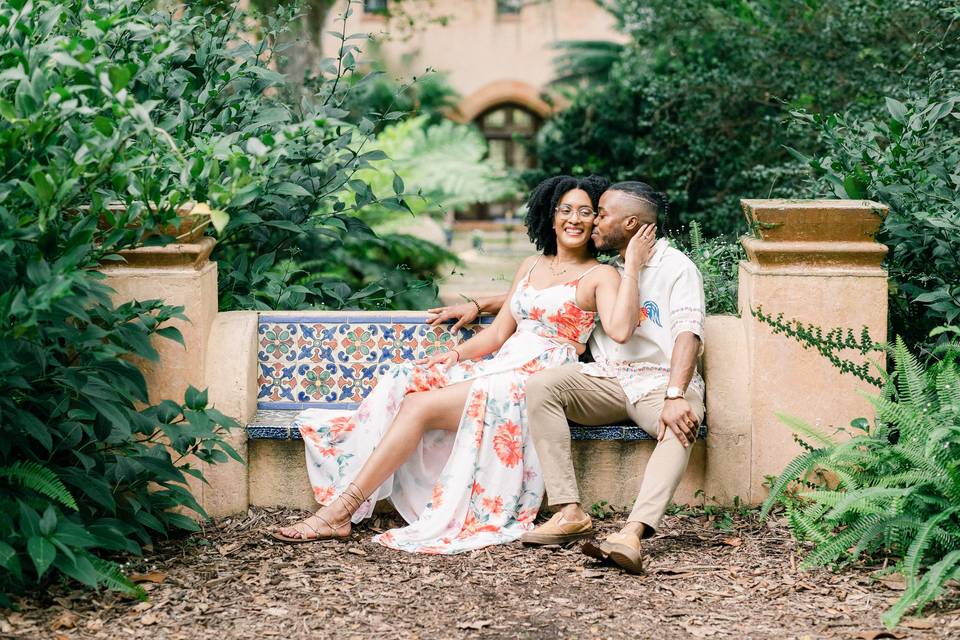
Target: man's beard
[(614, 240)]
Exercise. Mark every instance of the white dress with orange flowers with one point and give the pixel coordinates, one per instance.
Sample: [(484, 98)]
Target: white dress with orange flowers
[(481, 484)]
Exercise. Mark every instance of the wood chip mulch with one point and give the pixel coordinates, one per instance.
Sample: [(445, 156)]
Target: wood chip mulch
[(701, 581)]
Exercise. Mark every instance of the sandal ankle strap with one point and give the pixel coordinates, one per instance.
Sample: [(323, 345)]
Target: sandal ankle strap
[(349, 496)]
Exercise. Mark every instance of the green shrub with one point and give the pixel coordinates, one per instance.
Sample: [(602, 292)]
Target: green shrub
[(696, 102), (894, 487), (906, 157), (718, 260)]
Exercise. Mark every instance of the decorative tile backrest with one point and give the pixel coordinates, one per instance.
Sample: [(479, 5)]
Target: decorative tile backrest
[(331, 358)]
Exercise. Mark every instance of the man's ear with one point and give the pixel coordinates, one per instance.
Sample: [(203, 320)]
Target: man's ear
[(631, 223)]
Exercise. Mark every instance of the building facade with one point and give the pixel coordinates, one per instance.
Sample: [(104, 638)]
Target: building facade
[(497, 54)]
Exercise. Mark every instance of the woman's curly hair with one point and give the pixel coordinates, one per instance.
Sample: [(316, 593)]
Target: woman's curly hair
[(543, 202)]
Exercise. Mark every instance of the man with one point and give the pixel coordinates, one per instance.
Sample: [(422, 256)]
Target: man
[(651, 379)]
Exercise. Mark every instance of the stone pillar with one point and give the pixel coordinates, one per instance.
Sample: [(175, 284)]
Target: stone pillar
[(816, 261), (183, 275)]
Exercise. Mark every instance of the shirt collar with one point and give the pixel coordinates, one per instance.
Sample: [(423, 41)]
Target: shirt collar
[(659, 249)]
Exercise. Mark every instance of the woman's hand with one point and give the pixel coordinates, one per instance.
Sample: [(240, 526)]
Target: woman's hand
[(464, 313), (640, 248), (443, 358)]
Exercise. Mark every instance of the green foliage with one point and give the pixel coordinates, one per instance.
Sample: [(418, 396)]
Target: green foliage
[(443, 163), (601, 510), (890, 489), (718, 260), (585, 61), (697, 100), (906, 156), (830, 344)]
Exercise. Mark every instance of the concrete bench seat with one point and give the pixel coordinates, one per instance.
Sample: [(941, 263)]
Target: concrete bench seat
[(278, 425), (332, 360)]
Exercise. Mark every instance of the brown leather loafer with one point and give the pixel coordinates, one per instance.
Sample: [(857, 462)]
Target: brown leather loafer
[(558, 530), (621, 549)]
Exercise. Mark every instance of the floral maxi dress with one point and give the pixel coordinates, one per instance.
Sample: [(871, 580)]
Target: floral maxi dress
[(473, 487)]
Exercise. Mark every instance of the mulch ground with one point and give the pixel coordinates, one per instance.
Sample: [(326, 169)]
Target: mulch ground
[(232, 581)]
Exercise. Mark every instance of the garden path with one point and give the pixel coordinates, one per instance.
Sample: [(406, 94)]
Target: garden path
[(488, 270), (232, 581)]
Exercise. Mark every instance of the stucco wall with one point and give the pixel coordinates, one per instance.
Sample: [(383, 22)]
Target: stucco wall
[(480, 50)]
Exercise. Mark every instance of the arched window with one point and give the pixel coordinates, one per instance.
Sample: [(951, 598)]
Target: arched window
[(508, 129)]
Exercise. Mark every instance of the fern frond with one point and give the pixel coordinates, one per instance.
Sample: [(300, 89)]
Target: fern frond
[(869, 500), (921, 544), (36, 477), (892, 531), (911, 378), (111, 575), (798, 468), (696, 236), (806, 526), (925, 590), (804, 429), (832, 549)]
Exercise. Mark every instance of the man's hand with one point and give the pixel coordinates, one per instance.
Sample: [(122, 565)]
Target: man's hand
[(463, 313), (678, 416)]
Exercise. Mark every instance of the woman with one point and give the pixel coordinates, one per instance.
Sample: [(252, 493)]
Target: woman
[(446, 438)]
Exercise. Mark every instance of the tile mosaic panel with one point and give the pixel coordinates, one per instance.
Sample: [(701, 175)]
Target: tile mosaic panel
[(315, 359)]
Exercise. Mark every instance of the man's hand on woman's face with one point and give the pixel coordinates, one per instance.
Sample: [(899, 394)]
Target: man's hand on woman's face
[(463, 313)]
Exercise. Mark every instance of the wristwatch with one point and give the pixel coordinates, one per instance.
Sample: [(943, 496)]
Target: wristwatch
[(673, 393)]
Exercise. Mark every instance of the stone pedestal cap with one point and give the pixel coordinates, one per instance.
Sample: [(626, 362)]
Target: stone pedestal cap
[(836, 234)]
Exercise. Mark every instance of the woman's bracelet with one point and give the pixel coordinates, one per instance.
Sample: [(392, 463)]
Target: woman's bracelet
[(630, 275), (477, 305), (456, 352)]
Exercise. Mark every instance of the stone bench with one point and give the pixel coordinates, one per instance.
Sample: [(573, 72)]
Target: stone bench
[(331, 360), (815, 261)]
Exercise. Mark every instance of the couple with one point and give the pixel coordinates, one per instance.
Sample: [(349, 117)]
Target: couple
[(464, 446)]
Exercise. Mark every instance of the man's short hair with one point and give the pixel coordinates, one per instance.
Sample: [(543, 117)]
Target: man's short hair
[(643, 191)]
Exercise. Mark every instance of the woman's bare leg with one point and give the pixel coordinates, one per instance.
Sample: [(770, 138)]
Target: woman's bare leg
[(419, 413)]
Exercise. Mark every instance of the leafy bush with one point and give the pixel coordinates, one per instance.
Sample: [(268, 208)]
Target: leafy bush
[(894, 486), (718, 260), (906, 157), (695, 103), (89, 467), (113, 117)]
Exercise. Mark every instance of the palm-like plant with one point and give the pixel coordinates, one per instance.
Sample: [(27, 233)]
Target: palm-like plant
[(894, 487), (443, 163), (587, 61)]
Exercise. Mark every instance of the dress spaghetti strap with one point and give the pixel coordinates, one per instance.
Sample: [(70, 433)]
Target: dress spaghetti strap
[(530, 270), (580, 277)]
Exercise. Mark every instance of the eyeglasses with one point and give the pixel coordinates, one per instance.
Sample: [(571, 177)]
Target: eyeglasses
[(584, 213)]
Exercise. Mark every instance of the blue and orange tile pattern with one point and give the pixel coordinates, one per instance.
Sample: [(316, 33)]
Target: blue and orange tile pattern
[(332, 359)]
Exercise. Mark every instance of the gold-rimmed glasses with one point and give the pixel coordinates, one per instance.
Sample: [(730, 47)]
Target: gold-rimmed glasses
[(584, 213)]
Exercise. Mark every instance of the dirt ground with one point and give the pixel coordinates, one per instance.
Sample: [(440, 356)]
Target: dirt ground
[(232, 581)]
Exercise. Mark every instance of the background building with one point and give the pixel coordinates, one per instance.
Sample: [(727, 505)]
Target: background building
[(497, 54)]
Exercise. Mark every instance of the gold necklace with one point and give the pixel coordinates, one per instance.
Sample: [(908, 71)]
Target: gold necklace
[(553, 270)]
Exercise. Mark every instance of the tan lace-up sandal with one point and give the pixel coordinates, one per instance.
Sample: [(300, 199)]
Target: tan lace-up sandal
[(352, 498)]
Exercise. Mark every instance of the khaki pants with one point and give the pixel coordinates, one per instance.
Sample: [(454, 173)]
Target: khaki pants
[(556, 395)]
